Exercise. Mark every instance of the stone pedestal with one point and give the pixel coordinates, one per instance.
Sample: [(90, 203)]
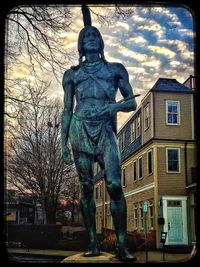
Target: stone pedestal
[(104, 257)]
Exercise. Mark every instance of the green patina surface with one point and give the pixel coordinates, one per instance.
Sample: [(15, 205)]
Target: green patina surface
[(90, 127)]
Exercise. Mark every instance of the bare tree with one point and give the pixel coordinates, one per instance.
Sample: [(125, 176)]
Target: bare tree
[(37, 29), (34, 164), (71, 192), (33, 41)]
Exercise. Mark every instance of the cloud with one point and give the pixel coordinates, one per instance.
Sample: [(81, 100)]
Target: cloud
[(186, 55), (121, 25), (135, 70), (175, 64), (153, 26), (162, 50), (138, 40), (178, 45), (137, 18), (186, 32), (131, 54), (152, 62), (110, 58)]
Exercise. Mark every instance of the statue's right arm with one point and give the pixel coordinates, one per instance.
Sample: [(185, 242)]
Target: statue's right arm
[(68, 86)]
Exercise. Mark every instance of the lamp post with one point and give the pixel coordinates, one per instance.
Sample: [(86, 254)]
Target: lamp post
[(145, 210)]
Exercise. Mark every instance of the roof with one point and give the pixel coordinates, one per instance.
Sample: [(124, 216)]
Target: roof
[(170, 85)]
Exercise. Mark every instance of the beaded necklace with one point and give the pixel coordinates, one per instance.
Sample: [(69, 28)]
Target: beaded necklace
[(92, 67)]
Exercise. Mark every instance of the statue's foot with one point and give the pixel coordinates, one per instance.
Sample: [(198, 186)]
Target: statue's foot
[(93, 250), (124, 255)]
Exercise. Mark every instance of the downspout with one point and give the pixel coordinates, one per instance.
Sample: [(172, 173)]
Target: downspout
[(186, 174), (154, 122)]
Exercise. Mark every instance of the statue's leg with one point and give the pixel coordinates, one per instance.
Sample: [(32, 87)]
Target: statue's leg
[(110, 161), (84, 168)]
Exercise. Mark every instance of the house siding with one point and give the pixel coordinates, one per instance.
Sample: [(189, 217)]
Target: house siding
[(170, 183), (130, 147), (162, 130)]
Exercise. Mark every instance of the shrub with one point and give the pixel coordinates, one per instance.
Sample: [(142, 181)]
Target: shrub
[(35, 236)]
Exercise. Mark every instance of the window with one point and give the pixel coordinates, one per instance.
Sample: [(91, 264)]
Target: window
[(121, 141), (173, 112), (141, 216), (173, 162), (140, 173), (138, 126), (124, 177), (174, 203), (132, 131), (149, 162), (146, 117), (135, 216), (97, 195), (134, 170), (151, 214)]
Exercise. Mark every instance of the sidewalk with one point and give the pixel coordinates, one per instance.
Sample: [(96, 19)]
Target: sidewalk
[(153, 256)]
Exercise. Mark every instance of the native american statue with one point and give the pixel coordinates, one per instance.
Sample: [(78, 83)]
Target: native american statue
[(91, 128)]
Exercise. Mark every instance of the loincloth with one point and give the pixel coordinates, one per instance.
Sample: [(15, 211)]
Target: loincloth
[(90, 136)]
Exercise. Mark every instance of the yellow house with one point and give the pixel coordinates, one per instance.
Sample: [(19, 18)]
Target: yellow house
[(158, 153)]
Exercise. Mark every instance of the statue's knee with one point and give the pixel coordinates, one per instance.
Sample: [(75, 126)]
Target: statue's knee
[(114, 190)]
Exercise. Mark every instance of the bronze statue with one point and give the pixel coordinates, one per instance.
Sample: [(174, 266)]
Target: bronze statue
[(91, 130)]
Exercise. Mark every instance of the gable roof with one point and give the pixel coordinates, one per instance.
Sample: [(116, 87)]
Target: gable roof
[(170, 85)]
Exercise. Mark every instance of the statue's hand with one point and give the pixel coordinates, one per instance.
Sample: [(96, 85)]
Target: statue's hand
[(66, 156)]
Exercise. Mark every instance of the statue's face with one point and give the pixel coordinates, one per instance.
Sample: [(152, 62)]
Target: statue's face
[(91, 41)]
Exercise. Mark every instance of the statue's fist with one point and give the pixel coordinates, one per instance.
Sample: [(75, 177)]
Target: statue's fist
[(66, 156)]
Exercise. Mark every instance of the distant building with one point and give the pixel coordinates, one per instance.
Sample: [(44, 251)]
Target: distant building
[(158, 152), (18, 209)]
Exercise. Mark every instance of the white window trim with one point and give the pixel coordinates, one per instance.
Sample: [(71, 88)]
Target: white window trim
[(135, 208), (178, 109), (100, 191), (151, 204), (123, 177), (146, 127), (133, 137), (135, 180), (141, 219), (150, 151), (136, 134), (139, 178), (179, 159)]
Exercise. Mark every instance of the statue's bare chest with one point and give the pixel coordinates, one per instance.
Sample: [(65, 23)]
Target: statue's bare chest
[(95, 82)]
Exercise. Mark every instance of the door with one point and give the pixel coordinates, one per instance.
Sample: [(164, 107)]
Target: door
[(175, 222)]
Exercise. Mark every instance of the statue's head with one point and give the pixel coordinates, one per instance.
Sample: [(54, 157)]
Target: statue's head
[(81, 37)]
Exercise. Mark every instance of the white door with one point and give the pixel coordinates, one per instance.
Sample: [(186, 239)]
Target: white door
[(175, 225), (175, 214)]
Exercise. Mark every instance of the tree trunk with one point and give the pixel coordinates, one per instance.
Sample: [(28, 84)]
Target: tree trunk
[(51, 215)]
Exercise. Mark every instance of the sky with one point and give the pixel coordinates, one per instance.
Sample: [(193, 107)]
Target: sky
[(155, 42)]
